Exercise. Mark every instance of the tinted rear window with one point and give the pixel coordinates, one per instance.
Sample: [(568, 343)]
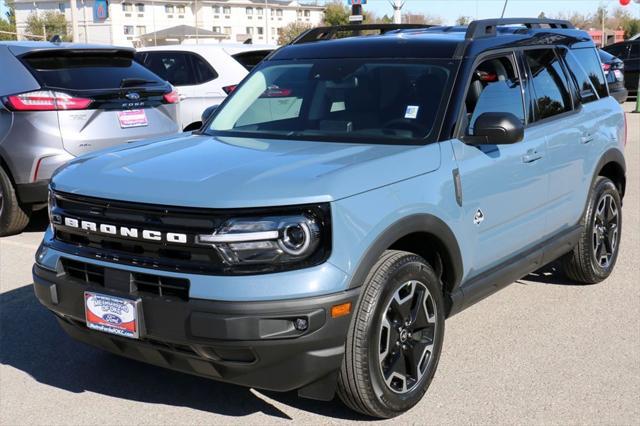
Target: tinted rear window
[(88, 71), (590, 62), (178, 68), (250, 59)]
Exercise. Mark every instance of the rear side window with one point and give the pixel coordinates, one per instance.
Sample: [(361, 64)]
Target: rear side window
[(77, 70), (581, 79), (251, 59), (178, 68), (550, 89), (590, 62)]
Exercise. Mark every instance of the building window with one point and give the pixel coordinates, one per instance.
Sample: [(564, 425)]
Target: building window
[(127, 7), (226, 10), (250, 30), (299, 13), (227, 30), (168, 8), (260, 30), (61, 7), (307, 13), (128, 30), (140, 7), (181, 9), (249, 11), (216, 30), (273, 31), (259, 11), (141, 29), (216, 9), (278, 12)]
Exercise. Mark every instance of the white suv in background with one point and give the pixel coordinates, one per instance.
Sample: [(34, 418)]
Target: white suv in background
[(203, 74)]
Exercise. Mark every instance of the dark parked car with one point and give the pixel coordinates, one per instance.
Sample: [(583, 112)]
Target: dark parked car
[(629, 52), (614, 72)]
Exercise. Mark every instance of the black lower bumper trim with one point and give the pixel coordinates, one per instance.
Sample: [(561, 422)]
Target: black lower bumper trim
[(253, 344), (32, 193)]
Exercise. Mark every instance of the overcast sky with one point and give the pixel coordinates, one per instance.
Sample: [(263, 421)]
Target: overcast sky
[(449, 10)]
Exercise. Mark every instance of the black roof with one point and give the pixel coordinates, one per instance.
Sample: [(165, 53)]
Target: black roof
[(445, 42)]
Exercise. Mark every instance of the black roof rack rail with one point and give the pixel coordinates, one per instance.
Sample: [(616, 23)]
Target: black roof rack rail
[(328, 33), (487, 27)]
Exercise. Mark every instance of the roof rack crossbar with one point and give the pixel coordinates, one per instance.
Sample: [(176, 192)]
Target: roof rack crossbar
[(488, 27), (328, 33)]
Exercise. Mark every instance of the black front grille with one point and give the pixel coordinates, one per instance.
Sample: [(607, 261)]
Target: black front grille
[(162, 286), (188, 257), (91, 274), (130, 282)]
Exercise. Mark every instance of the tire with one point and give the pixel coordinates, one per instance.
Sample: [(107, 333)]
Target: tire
[(365, 383), (594, 258), (13, 217)]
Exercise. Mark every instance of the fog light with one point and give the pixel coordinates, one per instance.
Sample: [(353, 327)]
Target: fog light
[(301, 324)]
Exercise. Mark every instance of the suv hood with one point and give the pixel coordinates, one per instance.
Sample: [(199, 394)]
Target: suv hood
[(204, 171)]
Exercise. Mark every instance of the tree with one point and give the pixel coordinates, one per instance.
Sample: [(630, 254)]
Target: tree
[(542, 16), (8, 24), (290, 31), (47, 24), (421, 18), (336, 13), (463, 20)]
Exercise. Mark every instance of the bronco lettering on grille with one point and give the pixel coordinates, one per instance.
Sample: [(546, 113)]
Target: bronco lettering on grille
[(123, 231)]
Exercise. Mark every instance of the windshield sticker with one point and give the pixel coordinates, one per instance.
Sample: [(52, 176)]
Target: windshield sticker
[(412, 111), (337, 106)]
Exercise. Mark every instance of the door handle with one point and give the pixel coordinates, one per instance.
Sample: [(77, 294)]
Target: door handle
[(586, 138), (531, 156), (182, 96)]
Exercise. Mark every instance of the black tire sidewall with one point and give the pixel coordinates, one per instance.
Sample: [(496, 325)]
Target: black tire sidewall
[(414, 270), (603, 186)]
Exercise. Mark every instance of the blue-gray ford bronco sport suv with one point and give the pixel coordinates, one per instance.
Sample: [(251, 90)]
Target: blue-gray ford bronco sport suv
[(351, 194)]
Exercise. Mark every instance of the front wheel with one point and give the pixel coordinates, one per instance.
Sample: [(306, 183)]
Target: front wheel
[(395, 338), (593, 259)]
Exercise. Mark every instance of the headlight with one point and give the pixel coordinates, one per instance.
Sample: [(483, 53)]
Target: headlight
[(271, 240)]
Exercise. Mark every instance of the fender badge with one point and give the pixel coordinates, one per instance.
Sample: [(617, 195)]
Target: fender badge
[(478, 217)]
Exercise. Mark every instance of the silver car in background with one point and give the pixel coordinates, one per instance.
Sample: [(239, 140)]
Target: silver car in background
[(61, 100)]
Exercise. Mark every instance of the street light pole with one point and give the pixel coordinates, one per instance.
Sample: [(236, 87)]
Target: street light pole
[(74, 21), (267, 16)]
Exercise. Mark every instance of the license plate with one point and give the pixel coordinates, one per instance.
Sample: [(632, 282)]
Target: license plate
[(132, 118), (111, 314)]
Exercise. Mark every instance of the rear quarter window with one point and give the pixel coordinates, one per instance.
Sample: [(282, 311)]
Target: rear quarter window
[(581, 79), (86, 70), (590, 62)]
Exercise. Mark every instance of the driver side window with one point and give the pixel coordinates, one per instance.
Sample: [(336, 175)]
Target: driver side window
[(494, 87)]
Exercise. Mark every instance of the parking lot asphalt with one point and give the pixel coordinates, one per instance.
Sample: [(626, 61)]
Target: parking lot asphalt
[(542, 351)]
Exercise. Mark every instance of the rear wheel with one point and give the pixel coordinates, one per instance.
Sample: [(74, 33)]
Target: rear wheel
[(13, 217), (395, 339), (593, 259)]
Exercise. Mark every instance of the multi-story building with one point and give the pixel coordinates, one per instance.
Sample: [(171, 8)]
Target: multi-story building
[(122, 22)]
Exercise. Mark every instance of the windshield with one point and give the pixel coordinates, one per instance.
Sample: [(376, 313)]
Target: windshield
[(360, 100)]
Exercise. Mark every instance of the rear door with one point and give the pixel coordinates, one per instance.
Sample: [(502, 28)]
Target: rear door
[(191, 75), (554, 115), (104, 97)]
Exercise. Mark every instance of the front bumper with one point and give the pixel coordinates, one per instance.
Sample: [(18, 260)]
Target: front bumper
[(33, 193), (252, 344)]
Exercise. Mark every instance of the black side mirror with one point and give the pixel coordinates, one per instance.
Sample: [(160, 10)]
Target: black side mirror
[(496, 128), (208, 113)]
